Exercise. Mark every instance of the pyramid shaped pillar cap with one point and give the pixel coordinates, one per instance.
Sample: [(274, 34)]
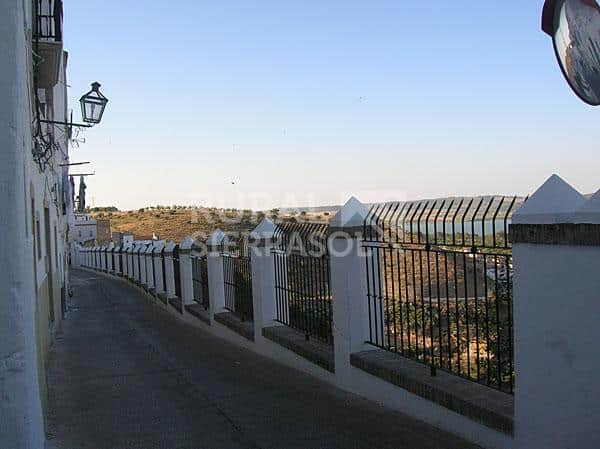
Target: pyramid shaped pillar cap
[(589, 212), (187, 243), (351, 216), (158, 247), (264, 231), (216, 239), (555, 202), (170, 247)]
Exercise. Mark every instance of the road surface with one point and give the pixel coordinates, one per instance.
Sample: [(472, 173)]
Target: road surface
[(125, 374)]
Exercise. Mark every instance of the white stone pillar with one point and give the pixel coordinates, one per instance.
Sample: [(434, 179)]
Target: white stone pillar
[(124, 269), (136, 263), (216, 280), (556, 250), (118, 267), (169, 272), (143, 268), (110, 263), (348, 285), (185, 271), (130, 262), (263, 277), (158, 268), (149, 267), (104, 259)]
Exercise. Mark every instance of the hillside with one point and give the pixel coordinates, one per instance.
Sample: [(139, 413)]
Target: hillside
[(178, 222)]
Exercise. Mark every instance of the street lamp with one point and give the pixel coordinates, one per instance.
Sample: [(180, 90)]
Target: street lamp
[(93, 104), (574, 26)]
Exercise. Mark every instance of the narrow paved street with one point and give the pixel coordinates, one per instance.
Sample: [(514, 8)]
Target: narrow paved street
[(124, 374)]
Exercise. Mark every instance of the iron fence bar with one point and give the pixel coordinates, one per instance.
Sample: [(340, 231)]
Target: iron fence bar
[(476, 318), (435, 221), (176, 271), (506, 234), (487, 320), (510, 330)]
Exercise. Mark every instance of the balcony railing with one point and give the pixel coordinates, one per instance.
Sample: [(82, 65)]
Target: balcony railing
[(48, 20)]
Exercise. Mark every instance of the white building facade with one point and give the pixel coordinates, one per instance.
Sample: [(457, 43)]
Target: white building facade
[(84, 230), (37, 207)]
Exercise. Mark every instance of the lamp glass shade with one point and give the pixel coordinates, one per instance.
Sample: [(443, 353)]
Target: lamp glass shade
[(93, 104)]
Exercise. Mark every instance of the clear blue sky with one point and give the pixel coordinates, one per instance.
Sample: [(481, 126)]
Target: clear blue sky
[(307, 102)]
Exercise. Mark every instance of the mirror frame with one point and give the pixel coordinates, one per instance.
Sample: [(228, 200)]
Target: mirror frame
[(548, 13)]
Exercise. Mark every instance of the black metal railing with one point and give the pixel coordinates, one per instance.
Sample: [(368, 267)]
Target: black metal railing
[(439, 281), (177, 271), (237, 274), (48, 20), (200, 281), (302, 279)]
